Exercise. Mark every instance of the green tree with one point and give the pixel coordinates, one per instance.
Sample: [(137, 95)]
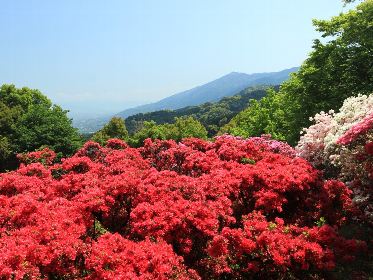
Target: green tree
[(149, 130), (115, 128), (42, 126), (270, 115), (336, 69), (188, 127), (29, 121), (183, 127), (340, 66), (5, 149)]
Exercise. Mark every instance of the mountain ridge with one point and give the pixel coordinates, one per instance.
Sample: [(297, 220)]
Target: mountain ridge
[(226, 85)]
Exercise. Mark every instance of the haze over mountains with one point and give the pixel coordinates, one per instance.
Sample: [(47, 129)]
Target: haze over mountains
[(213, 91)]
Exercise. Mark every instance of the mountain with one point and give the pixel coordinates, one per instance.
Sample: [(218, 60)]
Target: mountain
[(227, 85), (212, 115)]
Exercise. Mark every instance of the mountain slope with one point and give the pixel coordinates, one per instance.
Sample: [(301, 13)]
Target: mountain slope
[(227, 85), (211, 115)]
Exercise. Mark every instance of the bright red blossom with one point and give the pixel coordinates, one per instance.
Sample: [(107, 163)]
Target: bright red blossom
[(369, 148), (229, 209)]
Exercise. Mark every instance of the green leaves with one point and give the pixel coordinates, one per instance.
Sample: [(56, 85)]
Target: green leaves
[(115, 128), (270, 115), (28, 121), (5, 149), (183, 127), (43, 126), (320, 222), (338, 67)]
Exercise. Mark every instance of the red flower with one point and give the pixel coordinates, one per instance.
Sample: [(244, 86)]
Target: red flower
[(369, 148), (156, 212)]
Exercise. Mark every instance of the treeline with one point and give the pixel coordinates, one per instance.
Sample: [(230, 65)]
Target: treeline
[(212, 115), (182, 127), (201, 121)]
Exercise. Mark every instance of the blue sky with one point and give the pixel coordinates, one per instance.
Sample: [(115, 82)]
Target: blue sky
[(98, 57)]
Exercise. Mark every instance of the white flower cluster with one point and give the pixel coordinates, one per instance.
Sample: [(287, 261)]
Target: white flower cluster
[(318, 144)]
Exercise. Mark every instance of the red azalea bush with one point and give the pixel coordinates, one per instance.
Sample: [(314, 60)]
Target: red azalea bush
[(229, 209), (114, 257), (45, 156)]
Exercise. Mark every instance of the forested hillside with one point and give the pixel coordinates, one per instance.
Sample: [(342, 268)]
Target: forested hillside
[(211, 115)]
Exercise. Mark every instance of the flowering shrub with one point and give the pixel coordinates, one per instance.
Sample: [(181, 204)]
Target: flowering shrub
[(318, 143), (342, 143), (229, 209), (45, 156), (361, 128), (275, 145), (114, 257)]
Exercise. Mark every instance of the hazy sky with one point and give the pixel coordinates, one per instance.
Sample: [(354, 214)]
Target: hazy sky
[(104, 56)]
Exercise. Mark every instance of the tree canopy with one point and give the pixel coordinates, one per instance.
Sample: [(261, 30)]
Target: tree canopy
[(266, 116), (340, 66), (29, 121), (183, 127), (115, 128)]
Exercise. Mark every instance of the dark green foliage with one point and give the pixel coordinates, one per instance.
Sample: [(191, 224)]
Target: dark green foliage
[(183, 127), (211, 115), (115, 128), (42, 126), (87, 136), (5, 149), (29, 121)]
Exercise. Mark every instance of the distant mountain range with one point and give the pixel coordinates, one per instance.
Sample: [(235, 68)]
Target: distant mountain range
[(213, 91)]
